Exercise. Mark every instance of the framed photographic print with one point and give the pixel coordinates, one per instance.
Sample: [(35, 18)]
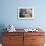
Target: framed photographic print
[(25, 13)]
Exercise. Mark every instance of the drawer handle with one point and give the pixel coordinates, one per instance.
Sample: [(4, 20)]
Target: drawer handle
[(33, 39), (11, 38)]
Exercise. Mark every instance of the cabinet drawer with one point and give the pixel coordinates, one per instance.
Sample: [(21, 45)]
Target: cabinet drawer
[(20, 44), (12, 39), (37, 39), (34, 33), (13, 33), (37, 44)]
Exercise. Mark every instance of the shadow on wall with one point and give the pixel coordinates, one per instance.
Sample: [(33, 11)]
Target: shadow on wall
[(2, 26)]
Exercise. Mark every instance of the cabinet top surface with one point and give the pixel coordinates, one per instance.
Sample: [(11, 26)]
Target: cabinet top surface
[(22, 30)]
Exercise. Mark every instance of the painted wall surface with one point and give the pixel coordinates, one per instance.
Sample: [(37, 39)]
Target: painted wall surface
[(9, 13)]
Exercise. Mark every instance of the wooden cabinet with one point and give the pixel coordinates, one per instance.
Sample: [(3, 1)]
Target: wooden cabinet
[(13, 39), (34, 39), (23, 39)]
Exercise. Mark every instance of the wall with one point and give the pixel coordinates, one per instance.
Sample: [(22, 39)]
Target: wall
[(9, 13)]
